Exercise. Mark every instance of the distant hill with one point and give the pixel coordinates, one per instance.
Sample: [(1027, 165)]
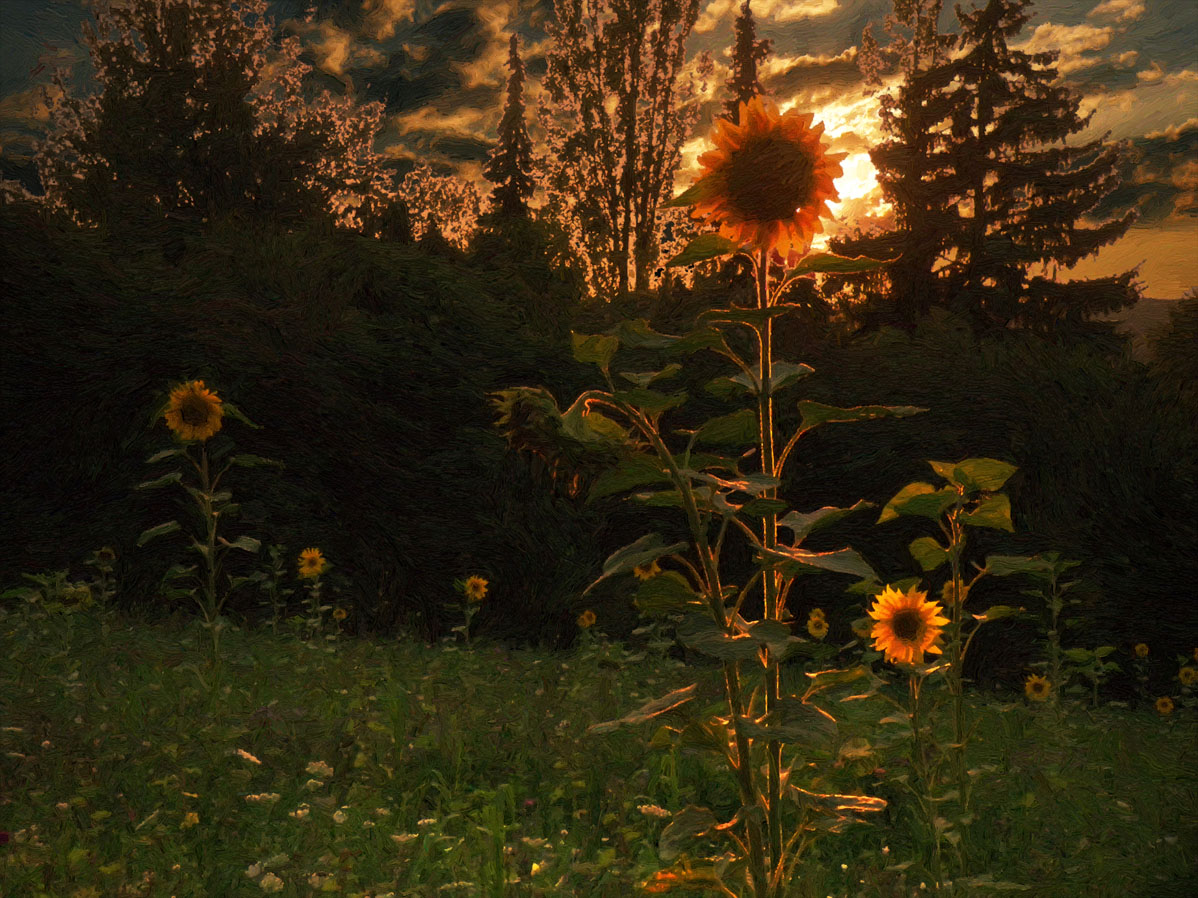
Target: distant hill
[(1142, 321)]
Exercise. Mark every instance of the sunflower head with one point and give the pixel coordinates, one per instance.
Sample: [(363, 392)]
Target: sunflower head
[(340, 614), (106, 555), (475, 589), (586, 620), (1188, 675), (1141, 650), (1037, 688), (906, 625), (768, 181), (817, 626), (311, 564), (647, 571), (194, 413), (1164, 706)]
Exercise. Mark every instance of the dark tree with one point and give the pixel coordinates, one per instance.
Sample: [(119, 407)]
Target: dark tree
[(1027, 189), (510, 165), (747, 52)]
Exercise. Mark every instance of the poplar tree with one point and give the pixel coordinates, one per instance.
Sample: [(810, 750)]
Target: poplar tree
[(616, 116), (746, 54), (510, 165)]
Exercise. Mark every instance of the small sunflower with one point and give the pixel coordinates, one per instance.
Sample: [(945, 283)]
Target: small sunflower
[(586, 620), (194, 413), (1037, 688), (769, 179), (311, 564), (1164, 706), (1141, 650), (816, 625), (475, 589), (106, 554), (340, 614), (907, 625), (1188, 675), (647, 571)]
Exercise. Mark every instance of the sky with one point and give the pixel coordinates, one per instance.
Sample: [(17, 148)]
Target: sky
[(439, 66)]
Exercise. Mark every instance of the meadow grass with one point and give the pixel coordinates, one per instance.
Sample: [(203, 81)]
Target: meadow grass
[(129, 766)]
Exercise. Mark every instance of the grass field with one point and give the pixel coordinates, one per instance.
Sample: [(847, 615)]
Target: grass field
[(131, 767)]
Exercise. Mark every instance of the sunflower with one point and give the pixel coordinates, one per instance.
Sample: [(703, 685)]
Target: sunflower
[(586, 620), (769, 179), (1037, 688), (311, 563), (1141, 650), (1164, 706), (194, 413), (1188, 675), (475, 589), (340, 614), (647, 571), (816, 625), (907, 625)]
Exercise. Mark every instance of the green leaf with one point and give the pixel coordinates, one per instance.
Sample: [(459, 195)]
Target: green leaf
[(1005, 565), (234, 412), (795, 722), (840, 561), (595, 348), (637, 470), (737, 429), (704, 736), (702, 189), (760, 508), (701, 633), (647, 711), (998, 612), (929, 553), (1079, 656), (636, 334), (993, 511), (173, 477), (668, 498), (155, 532), (588, 426), (804, 524), (753, 484), (775, 636), (816, 413), (648, 548), (979, 473), (254, 461), (754, 318), (830, 263), (783, 374), (650, 401), (643, 379), (702, 248), (245, 543), (701, 338), (921, 499), (685, 827), (165, 453), (667, 593), (726, 387)]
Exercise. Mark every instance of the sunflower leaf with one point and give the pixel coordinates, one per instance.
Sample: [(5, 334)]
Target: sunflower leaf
[(645, 550), (644, 379), (595, 348), (234, 412), (703, 189), (737, 429), (929, 553), (647, 711), (254, 461), (165, 453), (816, 413), (801, 561), (998, 612), (921, 499), (993, 511), (803, 525), (667, 593), (650, 402), (702, 248), (245, 543), (686, 826), (164, 480), (155, 532), (636, 471), (830, 263)]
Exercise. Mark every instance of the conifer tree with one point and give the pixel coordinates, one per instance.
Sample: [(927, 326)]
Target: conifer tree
[(510, 165), (746, 54)]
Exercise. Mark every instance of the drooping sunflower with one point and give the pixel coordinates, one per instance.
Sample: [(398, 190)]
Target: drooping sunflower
[(475, 589), (769, 179), (194, 413), (586, 620), (1164, 706), (817, 626), (1188, 675), (907, 625), (647, 571), (1141, 650), (311, 563), (1037, 688)]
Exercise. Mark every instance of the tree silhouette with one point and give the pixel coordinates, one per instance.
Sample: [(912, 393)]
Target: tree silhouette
[(202, 113), (510, 165), (747, 52), (615, 120)]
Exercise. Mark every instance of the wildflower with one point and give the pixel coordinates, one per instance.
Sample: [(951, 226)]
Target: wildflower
[(319, 768), (339, 816), (340, 614), (586, 619), (311, 563), (652, 810), (475, 589), (299, 813), (263, 797), (1141, 650), (193, 412), (907, 625), (241, 753), (816, 625), (647, 571), (1164, 706), (1188, 675), (270, 883), (1037, 688), (190, 819), (768, 181)]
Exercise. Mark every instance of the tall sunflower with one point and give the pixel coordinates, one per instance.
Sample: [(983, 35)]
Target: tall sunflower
[(311, 563), (768, 181), (908, 625), (475, 589), (194, 413)]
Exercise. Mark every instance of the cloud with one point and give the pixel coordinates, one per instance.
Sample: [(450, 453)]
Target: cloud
[(27, 107), (1125, 60), (1119, 10), (1070, 41), (722, 13), (382, 16), (1173, 132)]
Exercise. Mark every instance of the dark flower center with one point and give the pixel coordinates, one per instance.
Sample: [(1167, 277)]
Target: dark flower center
[(194, 410), (769, 178), (906, 624)]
